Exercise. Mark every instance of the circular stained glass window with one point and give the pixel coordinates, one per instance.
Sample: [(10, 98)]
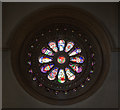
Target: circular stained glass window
[(61, 50), (60, 59)]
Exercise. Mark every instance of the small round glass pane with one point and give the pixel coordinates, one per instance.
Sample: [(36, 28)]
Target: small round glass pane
[(61, 59)]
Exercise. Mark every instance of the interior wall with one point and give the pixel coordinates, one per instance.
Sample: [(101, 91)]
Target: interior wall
[(14, 95)]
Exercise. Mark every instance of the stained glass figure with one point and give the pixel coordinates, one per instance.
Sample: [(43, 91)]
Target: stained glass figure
[(47, 52), (61, 76), (70, 74), (44, 59), (69, 46), (53, 46), (79, 59), (61, 45), (75, 52), (46, 68), (53, 74), (76, 68)]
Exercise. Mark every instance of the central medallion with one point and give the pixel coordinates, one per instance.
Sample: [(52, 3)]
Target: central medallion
[(61, 59)]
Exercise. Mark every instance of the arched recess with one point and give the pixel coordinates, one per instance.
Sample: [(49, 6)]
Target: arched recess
[(82, 22)]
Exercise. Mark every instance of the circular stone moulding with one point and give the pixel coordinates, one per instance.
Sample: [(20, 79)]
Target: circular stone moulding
[(60, 58)]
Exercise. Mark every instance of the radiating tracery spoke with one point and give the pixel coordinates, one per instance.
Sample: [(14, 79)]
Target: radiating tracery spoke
[(47, 52), (53, 46), (53, 74), (61, 45), (70, 74), (46, 68), (44, 59), (79, 59), (75, 52), (76, 68), (69, 46), (61, 76)]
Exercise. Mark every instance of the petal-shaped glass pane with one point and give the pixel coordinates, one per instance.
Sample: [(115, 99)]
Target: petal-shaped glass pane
[(53, 74), (75, 52), (79, 59), (61, 45), (53, 46), (46, 68), (76, 68), (61, 76), (44, 59), (69, 46), (70, 74), (47, 52)]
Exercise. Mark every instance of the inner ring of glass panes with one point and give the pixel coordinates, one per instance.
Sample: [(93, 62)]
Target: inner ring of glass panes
[(47, 61)]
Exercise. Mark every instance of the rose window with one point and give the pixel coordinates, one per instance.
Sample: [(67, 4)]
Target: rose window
[(56, 71), (59, 60)]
